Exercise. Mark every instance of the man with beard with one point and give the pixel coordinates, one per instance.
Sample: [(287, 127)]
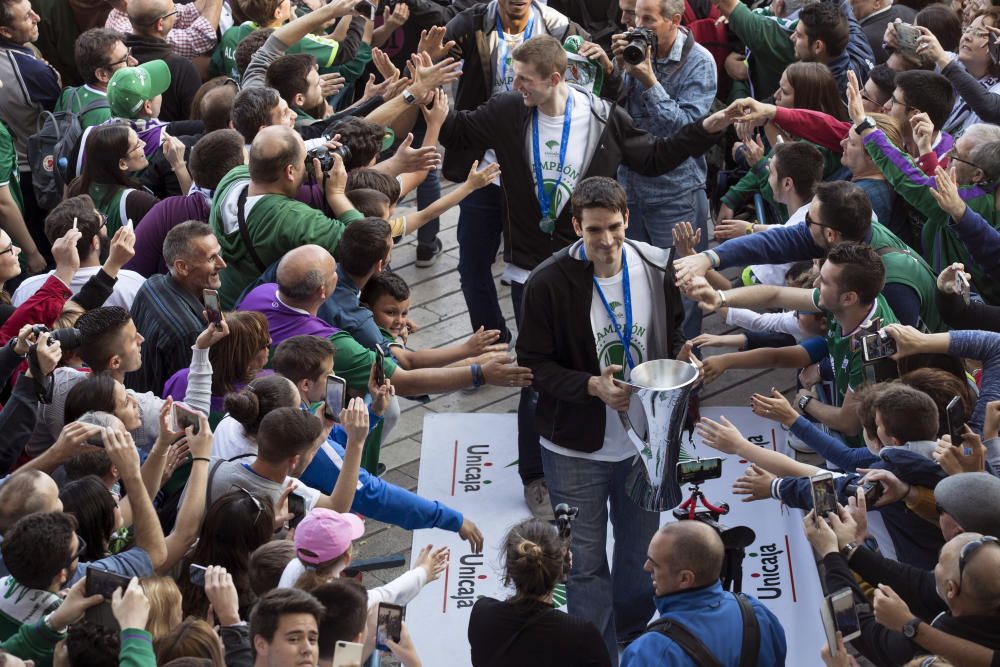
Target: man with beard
[(168, 310), (79, 212)]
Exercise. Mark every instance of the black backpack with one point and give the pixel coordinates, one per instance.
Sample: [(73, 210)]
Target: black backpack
[(51, 147), (699, 652)]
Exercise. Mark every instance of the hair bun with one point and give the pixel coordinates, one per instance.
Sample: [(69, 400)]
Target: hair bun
[(531, 550)]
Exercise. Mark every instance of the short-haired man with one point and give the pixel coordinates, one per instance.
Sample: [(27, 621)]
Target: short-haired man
[(99, 54), (257, 108), (685, 560), (215, 155), (296, 78), (138, 92), (194, 31), (152, 21), (346, 603), (168, 309), (79, 213), (255, 214), (577, 346), (284, 628), (849, 290), (874, 16)]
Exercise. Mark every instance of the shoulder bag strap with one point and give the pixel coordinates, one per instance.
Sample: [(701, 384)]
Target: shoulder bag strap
[(510, 642), (211, 478), (686, 640), (244, 232), (751, 632)]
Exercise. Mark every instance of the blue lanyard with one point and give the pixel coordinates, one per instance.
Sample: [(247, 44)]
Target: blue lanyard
[(502, 47), (544, 200), (624, 335)]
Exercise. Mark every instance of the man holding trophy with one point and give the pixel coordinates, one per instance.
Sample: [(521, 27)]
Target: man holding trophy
[(593, 313)]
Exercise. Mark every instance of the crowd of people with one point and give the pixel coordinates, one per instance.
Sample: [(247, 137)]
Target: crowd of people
[(198, 206)]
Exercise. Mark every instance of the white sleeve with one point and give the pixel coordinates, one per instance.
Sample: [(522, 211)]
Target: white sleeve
[(785, 322), (400, 590), (199, 389)]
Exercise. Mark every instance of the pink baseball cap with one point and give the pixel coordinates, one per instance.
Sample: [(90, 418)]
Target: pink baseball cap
[(325, 535)]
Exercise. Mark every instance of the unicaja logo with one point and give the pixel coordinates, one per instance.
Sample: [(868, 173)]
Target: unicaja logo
[(469, 575), (474, 466), (767, 577)]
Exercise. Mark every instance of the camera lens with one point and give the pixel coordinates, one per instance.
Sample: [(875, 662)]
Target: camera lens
[(69, 337), (635, 52)]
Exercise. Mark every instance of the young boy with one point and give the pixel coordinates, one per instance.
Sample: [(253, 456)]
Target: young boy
[(388, 297)]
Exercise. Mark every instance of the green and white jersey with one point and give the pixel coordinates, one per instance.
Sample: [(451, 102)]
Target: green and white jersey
[(223, 61), (10, 177), (75, 99)]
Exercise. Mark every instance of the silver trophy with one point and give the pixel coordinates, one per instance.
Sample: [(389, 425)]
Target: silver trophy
[(655, 417)]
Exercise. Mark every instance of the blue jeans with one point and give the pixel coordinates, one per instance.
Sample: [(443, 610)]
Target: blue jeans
[(480, 228), (428, 192), (620, 601), (652, 221)]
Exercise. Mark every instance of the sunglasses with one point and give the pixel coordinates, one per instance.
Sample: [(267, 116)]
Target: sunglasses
[(969, 550), (810, 221), (256, 501), (80, 549)]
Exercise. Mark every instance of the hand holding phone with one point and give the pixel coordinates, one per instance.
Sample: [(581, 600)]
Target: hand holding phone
[(196, 574), (962, 285), (956, 420), (824, 494), (336, 397), (906, 37), (184, 416), (390, 624), (839, 613), (212, 307), (347, 654), (366, 9), (379, 366)]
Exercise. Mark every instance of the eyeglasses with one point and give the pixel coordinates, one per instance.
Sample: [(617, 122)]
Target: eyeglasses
[(865, 97), (80, 549), (969, 549), (123, 61), (8, 249), (953, 155), (976, 33), (810, 221), (256, 501), (892, 101), (160, 18)]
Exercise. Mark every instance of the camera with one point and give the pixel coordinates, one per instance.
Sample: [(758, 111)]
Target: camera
[(325, 156), (640, 41), (69, 337), (564, 519), (873, 490)]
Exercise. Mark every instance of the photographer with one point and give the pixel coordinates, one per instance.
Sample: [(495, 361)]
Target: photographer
[(525, 629)]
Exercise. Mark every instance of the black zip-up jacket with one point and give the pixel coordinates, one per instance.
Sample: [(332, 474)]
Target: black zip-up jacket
[(184, 78), (503, 124), (471, 30), (556, 340)]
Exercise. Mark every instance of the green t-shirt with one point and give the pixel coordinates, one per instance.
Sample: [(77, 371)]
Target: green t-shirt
[(353, 361), (275, 223), (223, 61), (10, 177), (75, 99)]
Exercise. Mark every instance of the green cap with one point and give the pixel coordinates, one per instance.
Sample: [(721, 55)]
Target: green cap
[(131, 86)]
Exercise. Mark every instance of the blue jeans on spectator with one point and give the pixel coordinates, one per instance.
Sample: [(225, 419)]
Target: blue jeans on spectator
[(480, 228), (529, 456), (620, 601), (428, 192), (652, 221)]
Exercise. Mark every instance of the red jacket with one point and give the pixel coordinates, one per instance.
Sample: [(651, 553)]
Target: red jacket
[(44, 307)]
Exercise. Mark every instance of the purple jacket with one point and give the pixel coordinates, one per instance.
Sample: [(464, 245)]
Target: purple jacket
[(153, 228), (284, 321)]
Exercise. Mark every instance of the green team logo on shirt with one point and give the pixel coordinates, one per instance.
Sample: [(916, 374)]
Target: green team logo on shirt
[(565, 190), (610, 350)]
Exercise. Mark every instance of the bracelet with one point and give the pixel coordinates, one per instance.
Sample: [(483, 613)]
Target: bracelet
[(201, 458), (749, 228), (722, 299), (713, 258), (477, 376)]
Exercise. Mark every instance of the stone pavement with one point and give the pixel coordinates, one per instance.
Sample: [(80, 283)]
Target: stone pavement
[(438, 307)]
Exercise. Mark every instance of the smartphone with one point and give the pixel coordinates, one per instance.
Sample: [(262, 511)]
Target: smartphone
[(95, 440), (184, 416), (824, 494), (962, 284), (366, 9), (336, 397), (907, 36), (699, 470), (877, 346), (390, 624), (212, 307), (379, 365), (104, 583), (839, 613), (196, 574), (128, 225), (297, 507), (347, 654), (956, 420)]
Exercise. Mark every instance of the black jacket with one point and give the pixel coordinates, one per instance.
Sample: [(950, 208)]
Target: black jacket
[(556, 341), (888, 648), (184, 78), (471, 31), (503, 124), (914, 585)]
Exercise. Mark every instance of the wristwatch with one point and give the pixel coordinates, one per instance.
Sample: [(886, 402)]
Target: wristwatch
[(803, 402), (849, 549), (867, 124), (410, 98), (910, 627)]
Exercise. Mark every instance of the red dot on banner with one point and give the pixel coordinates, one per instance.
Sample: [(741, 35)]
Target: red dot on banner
[(487, 464), (742, 461), (482, 576), (755, 575)]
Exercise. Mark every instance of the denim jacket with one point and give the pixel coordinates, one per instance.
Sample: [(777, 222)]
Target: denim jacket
[(684, 93)]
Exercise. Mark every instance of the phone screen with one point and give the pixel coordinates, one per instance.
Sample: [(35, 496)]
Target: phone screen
[(184, 417), (336, 397), (906, 37), (297, 507), (390, 624), (845, 615), (700, 469), (379, 365), (196, 574), (956, 420), (824, 494), (100, 582), (212, 307), (366, 9)]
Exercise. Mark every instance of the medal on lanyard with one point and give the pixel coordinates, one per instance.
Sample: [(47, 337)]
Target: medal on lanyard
[(546, 200), (503, 48), (624, 333)]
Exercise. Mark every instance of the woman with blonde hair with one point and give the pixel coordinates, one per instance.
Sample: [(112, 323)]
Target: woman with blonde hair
[(192, 638), (164, 605)]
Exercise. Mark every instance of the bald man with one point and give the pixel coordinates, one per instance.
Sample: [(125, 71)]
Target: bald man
[(965, 577), (274, 222), (684, 561), (152, 21), (307, 276)]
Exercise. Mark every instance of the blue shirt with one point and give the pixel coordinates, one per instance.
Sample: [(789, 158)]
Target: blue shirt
[(343, 310)]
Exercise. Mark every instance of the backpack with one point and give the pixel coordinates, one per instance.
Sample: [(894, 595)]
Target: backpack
[(51, 147), (700, 19)]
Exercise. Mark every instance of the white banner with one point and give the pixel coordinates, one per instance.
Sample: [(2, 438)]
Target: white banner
[(469, 462)]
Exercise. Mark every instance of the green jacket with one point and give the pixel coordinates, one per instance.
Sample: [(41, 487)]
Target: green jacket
[(136, 649), (770, 44)]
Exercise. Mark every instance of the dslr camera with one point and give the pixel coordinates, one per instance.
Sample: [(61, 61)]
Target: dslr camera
[(640, 41), (69, 337), (325, 156)]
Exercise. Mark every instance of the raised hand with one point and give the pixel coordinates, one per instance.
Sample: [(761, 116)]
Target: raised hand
[(432, 43), (480, 341), (755, 483), (470, 533), (774, 407), (122, 250), (730, 229), (434, 562), (483, 177), (686, 238), (945, 193), (503, 372), (946, 279)]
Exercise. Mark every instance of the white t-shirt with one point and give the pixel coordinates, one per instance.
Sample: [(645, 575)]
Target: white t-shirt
[(550, 130), (774, 274), (123, 295), (617, 445)]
